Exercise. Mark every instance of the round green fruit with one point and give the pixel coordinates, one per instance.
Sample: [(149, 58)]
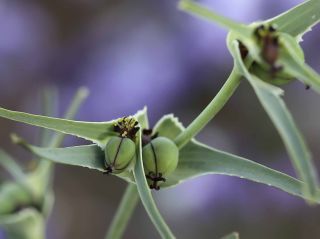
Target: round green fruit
[(277, 78), (119, 154), (160, 159)]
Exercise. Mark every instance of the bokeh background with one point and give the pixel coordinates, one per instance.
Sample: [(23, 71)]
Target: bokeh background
[(135, 53)]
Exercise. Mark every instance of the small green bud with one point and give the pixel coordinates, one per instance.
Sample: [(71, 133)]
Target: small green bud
[(119, 153), (270, 42), (13, 196), (160, 159)]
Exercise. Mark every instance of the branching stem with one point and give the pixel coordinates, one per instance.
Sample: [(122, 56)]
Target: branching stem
[(211, 110)]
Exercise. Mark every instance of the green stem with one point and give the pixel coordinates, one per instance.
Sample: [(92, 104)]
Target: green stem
[(146, 196), (211, 110), (200, 11), (127, 205)]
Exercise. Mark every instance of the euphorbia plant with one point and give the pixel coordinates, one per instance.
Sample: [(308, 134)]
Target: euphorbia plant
[(268, 55)]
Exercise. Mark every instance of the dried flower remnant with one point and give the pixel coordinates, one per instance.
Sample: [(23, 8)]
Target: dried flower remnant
[(268, 39)]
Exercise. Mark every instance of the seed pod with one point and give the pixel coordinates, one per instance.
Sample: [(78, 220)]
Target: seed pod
[(119, 153), (160, 159), (278, 78)]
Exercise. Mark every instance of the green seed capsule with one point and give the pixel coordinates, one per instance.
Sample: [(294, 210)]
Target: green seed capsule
[(160, 159), (276, 78), (119, 153)]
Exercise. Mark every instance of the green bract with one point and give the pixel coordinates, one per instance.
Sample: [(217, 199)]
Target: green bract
[(160, 159), (119, 153)]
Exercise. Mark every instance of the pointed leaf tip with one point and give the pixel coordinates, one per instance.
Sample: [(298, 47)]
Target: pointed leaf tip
[(285, 125), (197, 159)]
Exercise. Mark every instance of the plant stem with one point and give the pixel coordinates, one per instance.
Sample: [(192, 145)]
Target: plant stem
[(124, 212), (198, 10), (211, 110)]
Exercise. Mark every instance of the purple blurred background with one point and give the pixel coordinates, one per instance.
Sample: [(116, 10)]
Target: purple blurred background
[(135, 53)]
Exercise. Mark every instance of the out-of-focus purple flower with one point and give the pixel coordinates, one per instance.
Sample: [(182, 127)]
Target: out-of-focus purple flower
[(205, 39), (138, 66), (25, 40)]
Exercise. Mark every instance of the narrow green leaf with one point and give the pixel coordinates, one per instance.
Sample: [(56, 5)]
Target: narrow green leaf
[(203, 12), (97, 132), (88, 156), (294, 64), (269, 97), (7, 162), (298, 19), (143, 188), (234, 235), (197, 159)]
